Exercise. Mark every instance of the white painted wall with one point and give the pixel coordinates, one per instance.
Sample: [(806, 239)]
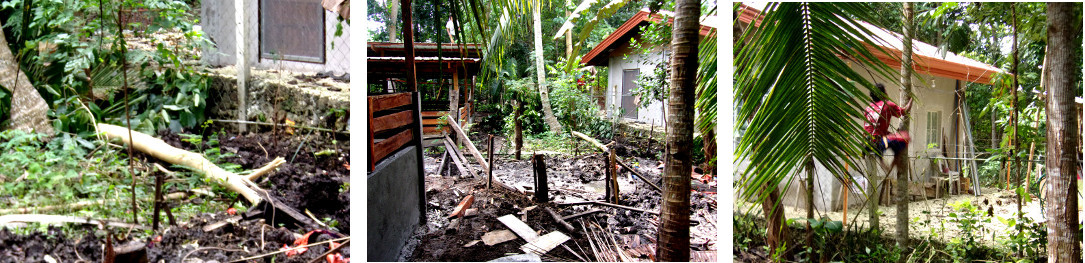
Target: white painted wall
[(618, 64), (218, 25), (932, 94)]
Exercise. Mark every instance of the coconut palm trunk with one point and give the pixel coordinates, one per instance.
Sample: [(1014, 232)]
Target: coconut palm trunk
[(28, 109), (674, 226), (1063, 235), (544, 93), (902, 195)]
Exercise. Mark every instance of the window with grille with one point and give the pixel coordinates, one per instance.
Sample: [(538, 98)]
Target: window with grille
[(292, 30), (934, 128)]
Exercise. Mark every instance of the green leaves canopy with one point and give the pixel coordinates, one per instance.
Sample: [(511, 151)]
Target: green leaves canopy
[(797, 95)]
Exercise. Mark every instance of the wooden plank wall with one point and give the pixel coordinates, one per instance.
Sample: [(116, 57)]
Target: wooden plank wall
[(389, 125)]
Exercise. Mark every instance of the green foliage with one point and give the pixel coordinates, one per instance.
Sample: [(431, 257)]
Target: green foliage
[(1027, 236), (747, 233), (70, 50), (965, 248)]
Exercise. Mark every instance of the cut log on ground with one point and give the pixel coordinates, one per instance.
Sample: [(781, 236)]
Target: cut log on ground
[(159, 149), (8, 220), (591, 140), (272, 209)]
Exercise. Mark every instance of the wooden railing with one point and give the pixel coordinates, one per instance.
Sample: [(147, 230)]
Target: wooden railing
[(390, 125), (432, 124)]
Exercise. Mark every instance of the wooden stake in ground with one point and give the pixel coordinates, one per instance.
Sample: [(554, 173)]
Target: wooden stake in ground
[(612, 182), (490, 170), (541, 189)]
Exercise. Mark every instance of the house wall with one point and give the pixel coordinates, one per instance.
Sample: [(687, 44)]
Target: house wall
[(618, 63), (219, 26), (932, 94)]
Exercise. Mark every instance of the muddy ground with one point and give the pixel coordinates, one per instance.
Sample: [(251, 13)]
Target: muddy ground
[(312, 182), (570, 179)]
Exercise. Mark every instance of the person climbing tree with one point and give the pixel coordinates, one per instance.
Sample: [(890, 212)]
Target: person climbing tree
[(878, 115)]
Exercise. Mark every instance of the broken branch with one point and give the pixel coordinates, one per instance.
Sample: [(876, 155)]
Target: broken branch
[(266, 169), (557, 218), (610, 205)]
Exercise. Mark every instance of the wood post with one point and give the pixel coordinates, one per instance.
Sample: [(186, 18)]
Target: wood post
[(613, 182), (490, 169), (541, 189), (609, 172), (158, 178)]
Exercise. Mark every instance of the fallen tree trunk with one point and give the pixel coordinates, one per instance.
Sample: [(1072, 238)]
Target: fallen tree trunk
[(159, 149), (591, 140), (59, 219)]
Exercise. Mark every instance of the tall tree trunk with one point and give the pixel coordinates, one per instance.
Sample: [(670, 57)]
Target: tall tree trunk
[(28, 108), (810, 207), (874, 197), (540, 69), (517, 128), (674, 226), (568, 33), (902, 160), (1063, 235), (776, 232), (393, 20), (1016, 165)]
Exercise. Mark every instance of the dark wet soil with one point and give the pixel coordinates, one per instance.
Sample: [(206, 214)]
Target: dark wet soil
[(570, 179), (312, 179)]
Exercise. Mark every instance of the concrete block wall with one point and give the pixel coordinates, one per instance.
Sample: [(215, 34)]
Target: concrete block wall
[(393, 199)]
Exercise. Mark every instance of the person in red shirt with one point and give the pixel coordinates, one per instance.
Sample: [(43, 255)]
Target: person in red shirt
[(878, 115)]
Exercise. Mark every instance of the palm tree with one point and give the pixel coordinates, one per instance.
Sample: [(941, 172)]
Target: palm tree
[(1063, 235), (674, 224), (799, 100), (28, 108), (544, 93), (902, 167)]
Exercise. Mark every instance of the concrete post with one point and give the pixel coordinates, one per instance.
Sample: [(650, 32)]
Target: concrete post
[(240, 23)]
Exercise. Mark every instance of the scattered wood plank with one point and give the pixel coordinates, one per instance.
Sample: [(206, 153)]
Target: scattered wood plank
[(545, 243), (441, 165), (460, 164), (518, 227), (497, 237), (470, 146), (462, 207)]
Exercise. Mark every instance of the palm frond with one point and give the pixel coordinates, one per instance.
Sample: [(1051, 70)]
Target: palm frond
[(798, 96)]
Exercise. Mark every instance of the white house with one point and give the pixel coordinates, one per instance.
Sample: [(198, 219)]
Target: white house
[(622, 70), (298, 36), (939, 124)]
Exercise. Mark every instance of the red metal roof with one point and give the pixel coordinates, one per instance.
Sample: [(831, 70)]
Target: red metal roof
[(598, 55), (926, 57)]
